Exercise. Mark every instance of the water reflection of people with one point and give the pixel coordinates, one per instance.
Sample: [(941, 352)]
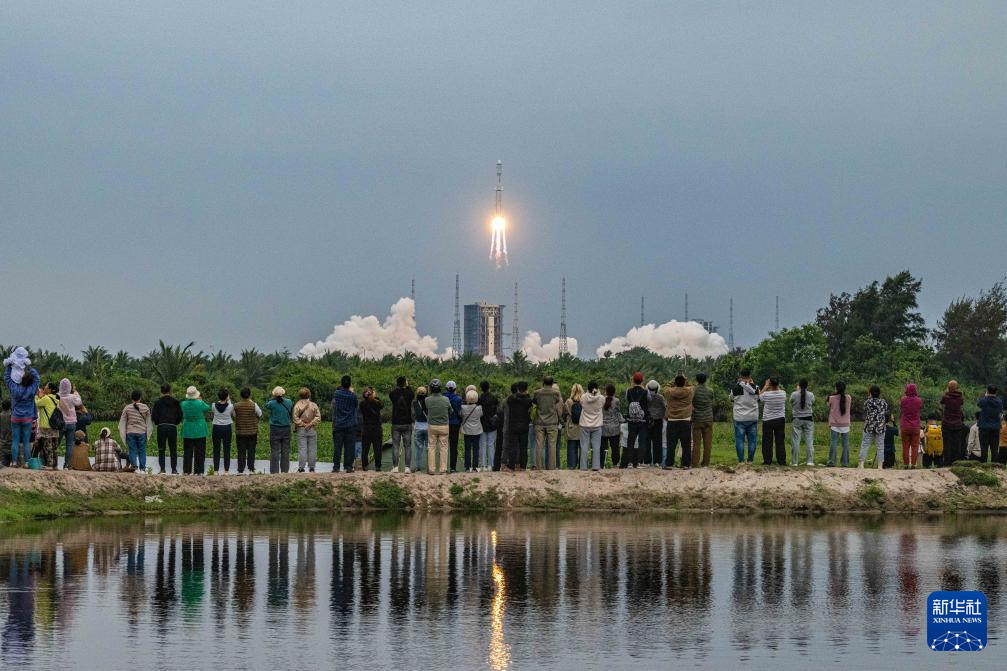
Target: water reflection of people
[(193, 573), (165, 595), (19, 630), (244, 576)]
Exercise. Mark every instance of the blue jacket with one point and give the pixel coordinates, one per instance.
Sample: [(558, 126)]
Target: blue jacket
[(454, 419), (22, 398), (990, 408), (344, 409)]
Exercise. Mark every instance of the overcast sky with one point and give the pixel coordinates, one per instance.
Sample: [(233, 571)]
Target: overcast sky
[(248, 174)]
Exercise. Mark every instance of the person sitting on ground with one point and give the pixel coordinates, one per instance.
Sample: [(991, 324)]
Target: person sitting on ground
[(972, 448), (106, 452), (79, 460)]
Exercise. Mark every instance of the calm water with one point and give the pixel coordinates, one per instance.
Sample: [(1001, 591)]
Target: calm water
[(517, 592)]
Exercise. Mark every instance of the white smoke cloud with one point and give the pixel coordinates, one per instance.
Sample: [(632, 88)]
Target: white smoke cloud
[(670, 339), (368, 338), (539, 352)]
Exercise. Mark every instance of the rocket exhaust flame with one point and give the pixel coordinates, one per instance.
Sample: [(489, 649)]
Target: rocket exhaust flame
[(498, 236)]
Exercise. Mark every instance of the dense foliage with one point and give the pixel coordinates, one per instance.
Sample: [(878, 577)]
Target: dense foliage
[(875, 336)]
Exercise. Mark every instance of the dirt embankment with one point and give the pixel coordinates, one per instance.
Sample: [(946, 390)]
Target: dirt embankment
[(746, 489)]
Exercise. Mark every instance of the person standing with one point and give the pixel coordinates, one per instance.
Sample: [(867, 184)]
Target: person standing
[(371, 433), (702, 421), (166, 416), (344, 426), (402, 398), (572, 415), (990, 410), (307, 417), (221, 430), (678, 400), (657, 409), (774, 422), (193, 432), (420, 430), (518, 421), (611, 428), (745, 397), (891, 433), (953, 423), (46, 437), (5, 435), (438, 418), (246, 429), (591, 420), (802, 404), (488, 438), (454, 423), (1001, 454), (472, 429), (23, 410), (840, 405), (637, 419), (909, 425), (875, 422), (135, 427), (69, 399), (549, 404), (281, 416)]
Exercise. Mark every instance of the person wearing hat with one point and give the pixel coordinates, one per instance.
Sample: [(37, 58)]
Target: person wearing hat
[(657, 408), (454, 422), (78, 457), (438, 418), (106, 452), (281, 414), (193, 432), (637, 419)]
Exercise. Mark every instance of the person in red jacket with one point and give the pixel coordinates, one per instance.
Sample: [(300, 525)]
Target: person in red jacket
[(909, 425), (953, 424)]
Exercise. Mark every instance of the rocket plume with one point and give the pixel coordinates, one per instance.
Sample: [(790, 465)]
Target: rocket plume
[(498, 242)]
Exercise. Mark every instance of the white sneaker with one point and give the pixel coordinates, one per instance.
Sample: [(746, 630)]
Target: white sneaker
[(408, 470), (811, 463), (395, 469), (478, 470)]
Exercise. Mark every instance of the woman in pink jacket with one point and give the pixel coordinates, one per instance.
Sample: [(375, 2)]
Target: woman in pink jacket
[(909, 425)]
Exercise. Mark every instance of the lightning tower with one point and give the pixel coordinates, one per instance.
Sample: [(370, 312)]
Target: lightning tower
[(686, 306), (456, 339), (412, 290), (515, 332), (562, 322), (730, 326), (777, 314), (642, 318)]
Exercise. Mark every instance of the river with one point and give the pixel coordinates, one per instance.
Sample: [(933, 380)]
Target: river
[(585, 591)]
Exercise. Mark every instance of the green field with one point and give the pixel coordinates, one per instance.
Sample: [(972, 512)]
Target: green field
[(723, 451)]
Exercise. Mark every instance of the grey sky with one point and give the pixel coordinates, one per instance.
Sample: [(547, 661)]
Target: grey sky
[(248, 174)]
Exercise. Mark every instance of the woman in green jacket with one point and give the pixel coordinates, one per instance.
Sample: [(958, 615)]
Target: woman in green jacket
[(193, 432)]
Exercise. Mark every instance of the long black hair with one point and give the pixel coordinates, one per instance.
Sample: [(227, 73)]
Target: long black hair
[(609, 396), (803, 385), (841, 391)]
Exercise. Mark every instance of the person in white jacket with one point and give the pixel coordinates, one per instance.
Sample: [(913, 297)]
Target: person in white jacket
[(592, 406), (135, 427)]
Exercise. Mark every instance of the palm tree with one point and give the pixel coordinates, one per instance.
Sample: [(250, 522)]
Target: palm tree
[(220, 363), (254, 368), (170, 363), (95, 361)]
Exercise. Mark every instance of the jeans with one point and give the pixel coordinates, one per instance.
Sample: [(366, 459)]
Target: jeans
[(193, 455), (420, 437), (70, 429), (487, 441), (634, 449), (679, 431), (803, 427), (774, 441), (20, 435), (572, 453), (402, 438), (246, 452), (437, 444), (371, 442), (279, 449), (653, 448), (547, 441), (221, 436), (167, 437), (307, 448), (745, 432), (834, 440), (702, 440), (137, 443), (454, 430), (471, 450), (590, 441), (344, 449), (879, 446), (517, 449)]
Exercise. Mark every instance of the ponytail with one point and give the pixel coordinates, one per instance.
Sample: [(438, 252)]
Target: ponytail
[(803, 384), (841, 390)]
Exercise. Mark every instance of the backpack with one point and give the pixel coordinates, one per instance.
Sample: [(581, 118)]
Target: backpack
[(636, 412), (56, 420), (935, 441), (575, 411)]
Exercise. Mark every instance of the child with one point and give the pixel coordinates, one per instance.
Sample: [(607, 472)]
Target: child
[(891, 432), (933, 443), (106, 452), (19, 363), (5, 434)]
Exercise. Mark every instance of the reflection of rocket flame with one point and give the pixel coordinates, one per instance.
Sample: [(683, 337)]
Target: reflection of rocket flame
[(499, 655), (498, 242)]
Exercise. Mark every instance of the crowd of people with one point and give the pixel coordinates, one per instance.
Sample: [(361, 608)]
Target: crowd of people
[(649, 426)]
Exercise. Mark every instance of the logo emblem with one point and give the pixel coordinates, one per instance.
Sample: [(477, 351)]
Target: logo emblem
[(956, 621)]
